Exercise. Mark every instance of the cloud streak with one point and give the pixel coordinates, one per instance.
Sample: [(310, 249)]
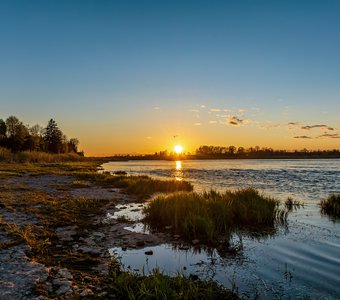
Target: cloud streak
[(322, 127), (302, 137)]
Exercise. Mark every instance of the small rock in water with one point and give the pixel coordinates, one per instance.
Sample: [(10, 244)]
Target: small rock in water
[(184, 248), (150, 252)]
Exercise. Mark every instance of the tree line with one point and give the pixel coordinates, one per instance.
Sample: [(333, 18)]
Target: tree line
[(258, 152), (16, 136)]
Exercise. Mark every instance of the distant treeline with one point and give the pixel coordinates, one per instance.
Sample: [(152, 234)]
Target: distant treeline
[(17, 137), (257, 152), (232, 152)]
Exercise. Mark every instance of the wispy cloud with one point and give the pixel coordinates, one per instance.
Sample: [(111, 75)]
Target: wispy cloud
[(212, 122), (215, 110), (197, 124), (302, 137), (322, 127), (329, 135), (234, 120)]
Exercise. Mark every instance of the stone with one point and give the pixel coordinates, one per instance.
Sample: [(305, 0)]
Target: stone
[(64, 273), (64, 288), (86, 292), (150, 252)]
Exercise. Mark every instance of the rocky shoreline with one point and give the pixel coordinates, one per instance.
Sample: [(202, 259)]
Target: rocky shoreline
[(24, 275)]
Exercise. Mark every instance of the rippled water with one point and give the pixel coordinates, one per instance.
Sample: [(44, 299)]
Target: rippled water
[(301, 260)]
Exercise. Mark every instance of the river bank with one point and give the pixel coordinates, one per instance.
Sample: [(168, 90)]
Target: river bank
[(56, 230)]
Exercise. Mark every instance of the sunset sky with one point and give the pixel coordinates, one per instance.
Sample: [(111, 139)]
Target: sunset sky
[(142, 76)]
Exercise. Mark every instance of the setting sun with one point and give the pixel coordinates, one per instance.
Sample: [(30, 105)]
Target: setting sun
[(178, 149)]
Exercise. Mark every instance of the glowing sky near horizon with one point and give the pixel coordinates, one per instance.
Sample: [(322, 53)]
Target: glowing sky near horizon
[(143, 76)]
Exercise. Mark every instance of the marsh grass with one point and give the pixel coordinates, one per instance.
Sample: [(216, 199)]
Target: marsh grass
[(331, 206), (291, 204), (212, 216), (37, 157), (37, 238), (128, 285), (142, 186)]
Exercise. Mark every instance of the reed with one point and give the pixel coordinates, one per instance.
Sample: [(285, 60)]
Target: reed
[(37, 157), (331, 206), (128, 285), (291, 204), (212, 216), (142, 186)]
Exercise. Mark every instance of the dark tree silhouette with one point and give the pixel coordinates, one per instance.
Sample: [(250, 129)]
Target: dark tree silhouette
[(53, 137)]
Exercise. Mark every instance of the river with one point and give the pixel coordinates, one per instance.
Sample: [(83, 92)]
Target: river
[(300, 260)]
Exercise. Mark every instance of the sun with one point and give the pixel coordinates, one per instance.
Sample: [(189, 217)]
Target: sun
[(178, 149)]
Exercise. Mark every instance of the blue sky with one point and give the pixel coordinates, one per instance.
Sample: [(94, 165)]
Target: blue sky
[(125, 76)]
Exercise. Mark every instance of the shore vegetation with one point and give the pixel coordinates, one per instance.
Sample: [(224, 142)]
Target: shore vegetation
[(128, 285), (331, 206), (213, 216)]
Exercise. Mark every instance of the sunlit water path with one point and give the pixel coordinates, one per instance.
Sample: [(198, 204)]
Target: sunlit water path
[(301, 260)]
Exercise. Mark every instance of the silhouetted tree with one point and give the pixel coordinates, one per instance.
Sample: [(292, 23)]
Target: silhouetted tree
[(17, 134), (53, 137), (3, 130), (73, 145)]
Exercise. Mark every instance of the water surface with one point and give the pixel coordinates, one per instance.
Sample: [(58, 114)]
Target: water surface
[(303, 259)]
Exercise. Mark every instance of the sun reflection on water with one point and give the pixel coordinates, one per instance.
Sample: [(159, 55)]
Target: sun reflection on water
[(178, 171)]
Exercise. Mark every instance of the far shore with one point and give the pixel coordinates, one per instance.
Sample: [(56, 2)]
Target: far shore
[(327, 155)]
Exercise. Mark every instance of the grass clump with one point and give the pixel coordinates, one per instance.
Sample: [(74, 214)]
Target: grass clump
[(142, 186), (291, 204), (331, 206), (37, 157), (127, 285), (36, 238), (213, 216)]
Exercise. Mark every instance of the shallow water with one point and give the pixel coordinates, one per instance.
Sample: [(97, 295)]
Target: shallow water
[(301, 260)]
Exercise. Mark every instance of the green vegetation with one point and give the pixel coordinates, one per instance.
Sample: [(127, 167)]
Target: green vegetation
[(213, 216), (138, 185), (37, 157), (331, 206), (127, 285)]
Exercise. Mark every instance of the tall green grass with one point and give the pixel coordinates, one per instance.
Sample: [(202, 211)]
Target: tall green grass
[(212, 216), (331, 206), (137, 185), (37, 157), (127, 285)]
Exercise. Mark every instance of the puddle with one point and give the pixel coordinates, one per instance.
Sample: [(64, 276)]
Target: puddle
[(167, 258), (138, 228), (131, 211)]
